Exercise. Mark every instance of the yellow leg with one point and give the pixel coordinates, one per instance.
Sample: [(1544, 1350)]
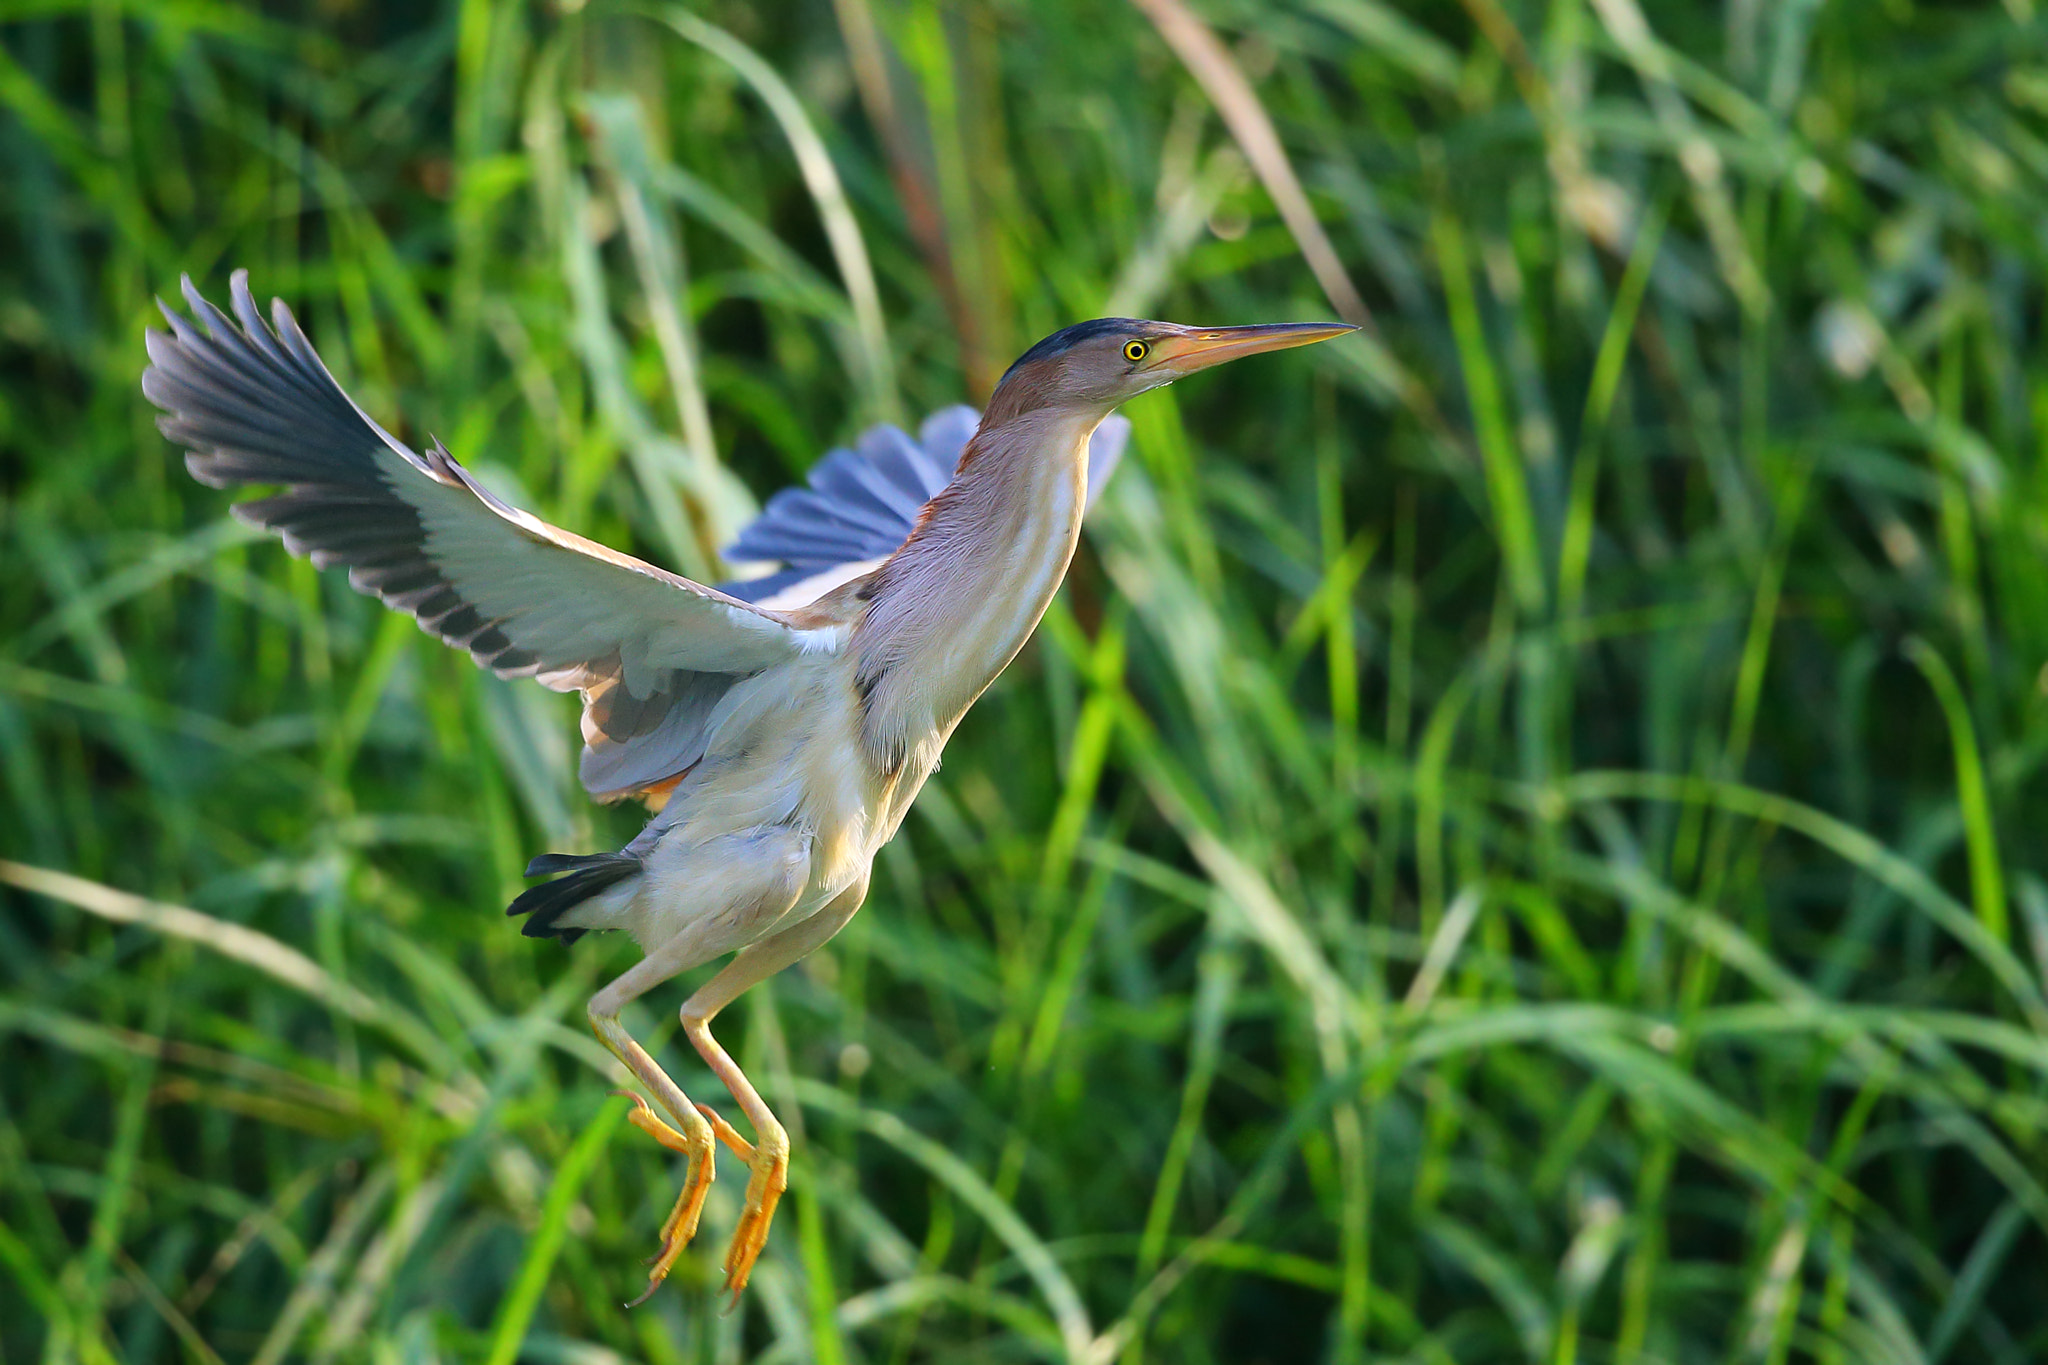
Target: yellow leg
[(681, 1224), (767, 1156), (692, 1136)]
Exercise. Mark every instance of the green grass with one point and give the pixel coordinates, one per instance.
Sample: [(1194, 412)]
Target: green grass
[(1520, 841)]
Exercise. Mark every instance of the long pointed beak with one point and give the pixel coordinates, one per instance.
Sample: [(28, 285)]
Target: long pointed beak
[(1198, 350)]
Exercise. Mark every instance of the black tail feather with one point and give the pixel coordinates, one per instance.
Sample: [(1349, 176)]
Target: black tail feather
[(548, 864), (589, 873)]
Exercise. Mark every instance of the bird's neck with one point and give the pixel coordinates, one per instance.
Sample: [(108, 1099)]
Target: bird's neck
[(953, 606)]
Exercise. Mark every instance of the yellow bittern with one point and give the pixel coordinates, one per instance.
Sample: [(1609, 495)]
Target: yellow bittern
[(780, 739)]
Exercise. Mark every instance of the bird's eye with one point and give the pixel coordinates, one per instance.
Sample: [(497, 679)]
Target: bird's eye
[(1135, 351)]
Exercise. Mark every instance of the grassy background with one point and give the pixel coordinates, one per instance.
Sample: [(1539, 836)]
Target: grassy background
[(1519, 841)]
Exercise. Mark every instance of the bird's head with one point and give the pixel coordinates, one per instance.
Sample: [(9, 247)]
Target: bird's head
[(1097, 365)]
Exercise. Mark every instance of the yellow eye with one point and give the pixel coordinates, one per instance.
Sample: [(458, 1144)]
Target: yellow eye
[(1135, 351)]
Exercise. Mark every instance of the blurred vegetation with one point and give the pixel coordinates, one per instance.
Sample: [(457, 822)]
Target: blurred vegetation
[(1519, 842)]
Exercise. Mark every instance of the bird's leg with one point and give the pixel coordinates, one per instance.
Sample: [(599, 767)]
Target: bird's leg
[(767, 1156), (692, 1135), (690, 1202)]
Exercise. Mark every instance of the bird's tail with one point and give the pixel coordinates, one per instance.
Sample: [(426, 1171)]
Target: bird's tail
[(589, 873)]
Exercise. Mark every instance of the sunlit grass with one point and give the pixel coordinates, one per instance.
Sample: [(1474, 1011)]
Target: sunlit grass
[(1517, 842)]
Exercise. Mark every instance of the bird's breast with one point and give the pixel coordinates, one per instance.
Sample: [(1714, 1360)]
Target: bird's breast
[(962, 596)]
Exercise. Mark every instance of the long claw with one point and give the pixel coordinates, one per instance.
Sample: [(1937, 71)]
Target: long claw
[(671, 1249), (681, 1224), (770, 1163)]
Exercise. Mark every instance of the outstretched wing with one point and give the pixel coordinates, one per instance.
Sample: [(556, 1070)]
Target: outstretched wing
[(862, 503), (651, 652)]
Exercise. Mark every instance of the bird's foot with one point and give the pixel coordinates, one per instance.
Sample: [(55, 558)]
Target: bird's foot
[(768, 1160), (696, 1143), (728, 1134)]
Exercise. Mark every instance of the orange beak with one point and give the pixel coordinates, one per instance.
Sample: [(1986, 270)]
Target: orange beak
[(1199, 349)]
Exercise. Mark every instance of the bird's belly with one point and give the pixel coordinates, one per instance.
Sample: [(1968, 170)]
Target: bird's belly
[(802, 769)]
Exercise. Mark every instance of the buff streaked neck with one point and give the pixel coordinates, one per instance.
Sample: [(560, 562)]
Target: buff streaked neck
[(949, 610)]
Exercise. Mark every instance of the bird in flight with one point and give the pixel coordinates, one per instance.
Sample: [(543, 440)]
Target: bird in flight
[(779, 728)]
